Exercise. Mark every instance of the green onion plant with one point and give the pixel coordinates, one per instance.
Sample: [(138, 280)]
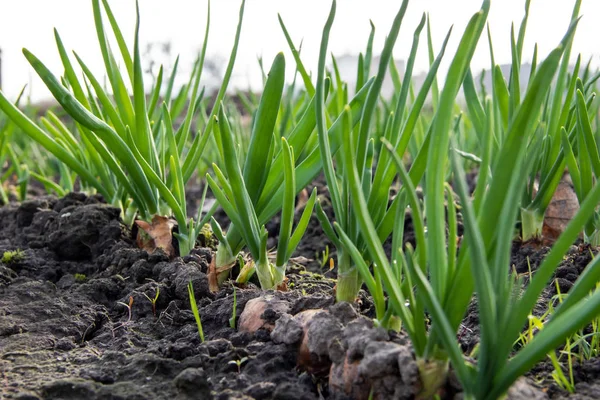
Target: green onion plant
[(125, 144), (376, 170), (559, 110), (263, 169), (438, 279), (234, 191), (131, 154), (583, 162), (6, 150)]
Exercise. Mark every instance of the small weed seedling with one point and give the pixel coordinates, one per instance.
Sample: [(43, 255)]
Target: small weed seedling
[(194, 307), (558, 375), (323, 257), (12, 256), (238, 363), (129, 309), (153, 300), (233, 313)]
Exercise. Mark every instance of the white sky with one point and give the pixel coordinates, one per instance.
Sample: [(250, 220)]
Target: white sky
[(29, 24)]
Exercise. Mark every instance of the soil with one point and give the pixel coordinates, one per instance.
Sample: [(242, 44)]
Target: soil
[(77, 320)]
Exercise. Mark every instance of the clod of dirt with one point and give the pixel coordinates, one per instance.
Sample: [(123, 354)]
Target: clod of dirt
[(323, 331), (193, 382), (387, 368), (287, 330), (156, 235), (74, 232), (522, 389), (6, 275), (307, 359), (185, 273), (261, 313), (336, 335), (359, 358), (27, 209)]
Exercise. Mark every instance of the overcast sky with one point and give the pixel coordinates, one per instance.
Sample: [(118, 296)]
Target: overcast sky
[(29, 24)]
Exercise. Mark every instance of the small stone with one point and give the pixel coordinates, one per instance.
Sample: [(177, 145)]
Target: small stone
[(193, 382), (261, 390), (522, 389), (64, 344)]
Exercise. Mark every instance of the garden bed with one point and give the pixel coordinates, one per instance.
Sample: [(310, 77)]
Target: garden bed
[(66, 331)]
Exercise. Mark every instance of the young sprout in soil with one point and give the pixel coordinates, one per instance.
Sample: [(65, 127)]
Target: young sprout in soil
[(153, 300), (234, 311), (323, 258), (238, 363), (267, 189), (129, 311), (195, 311), (558, 375)]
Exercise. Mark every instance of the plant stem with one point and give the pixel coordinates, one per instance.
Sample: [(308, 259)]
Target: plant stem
[(223, 257), (433, 373), (265, 276), (593, 238), (532, 223), (348, 282), (278, 273)]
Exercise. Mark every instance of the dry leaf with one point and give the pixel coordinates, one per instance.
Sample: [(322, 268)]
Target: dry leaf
[(157, 235), (213, 283), (283, 287), (214, 272)]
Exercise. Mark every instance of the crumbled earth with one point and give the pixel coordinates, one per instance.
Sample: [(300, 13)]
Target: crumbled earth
[(78, 320)]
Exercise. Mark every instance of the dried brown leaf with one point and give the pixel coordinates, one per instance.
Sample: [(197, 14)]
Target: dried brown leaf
[(214, 273), (213, 282), (156, 235)]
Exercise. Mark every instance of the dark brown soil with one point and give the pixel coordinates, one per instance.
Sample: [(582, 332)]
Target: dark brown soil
[(66, 332)]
